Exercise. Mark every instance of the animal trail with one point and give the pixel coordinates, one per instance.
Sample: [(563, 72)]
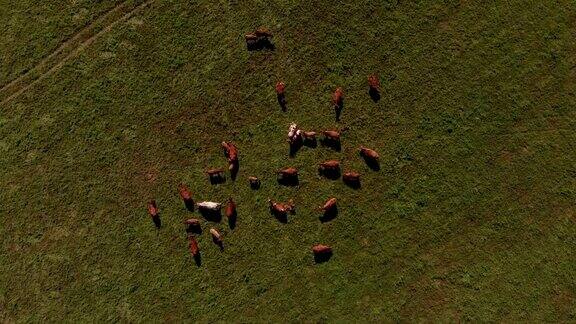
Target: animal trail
[(70, 49)]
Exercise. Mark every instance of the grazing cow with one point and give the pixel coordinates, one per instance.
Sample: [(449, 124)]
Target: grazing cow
[(288, 173), (329, 205), (332, 135), (338, 97), (369, 154), (230, 209), (263, 32), (281, 209), (309, 136), (193, 245), (294, 134), (280, 88), (322, 253), (216, 237), (331, 165), (184, 193), (192, 222), (254, 182), (230, 151), (351, 178), (153, 211), (374, 83)]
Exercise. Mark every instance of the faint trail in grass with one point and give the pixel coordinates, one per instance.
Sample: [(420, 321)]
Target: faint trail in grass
[(70, 48)]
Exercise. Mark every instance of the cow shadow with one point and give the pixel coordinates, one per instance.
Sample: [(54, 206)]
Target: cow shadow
[(354, 184), (289, 181), (189, 203), (234, 170), (198, 259), (330, 174), (338, 109), (282, 101), (294, 148), (312, 143), (211, 215), (324, 257), (374, 94), (193, 229), (329, 215), (232, 221), (215, 180), (373, 164), (157, 221), (260, 44), (333, 144)]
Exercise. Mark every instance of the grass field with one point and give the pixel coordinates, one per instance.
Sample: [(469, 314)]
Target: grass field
[(471, 217)]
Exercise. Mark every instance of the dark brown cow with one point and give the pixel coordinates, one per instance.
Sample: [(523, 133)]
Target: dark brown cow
[(369, 154), (322, 253), (193, 245), (216, 175)]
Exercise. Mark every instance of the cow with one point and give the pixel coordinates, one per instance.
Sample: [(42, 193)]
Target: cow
[(369, 154), (254, 182), (281, 210), (192, 225), (280, 95), (288, 176), (330, 169), (294, 134), (351, 178), (230, 209), (331, 135), (374, 83), (154, 213), (329, 205), (215, 175), (322, 253), (263, 32), (259, 39), (216, 237), (209, 206), (309, 136), (338, 97), (186, 196), (193, 246)]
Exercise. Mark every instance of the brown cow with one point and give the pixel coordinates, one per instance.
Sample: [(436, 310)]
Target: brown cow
[(184, 192), (338, 97), (230, 209), (288, 173), (331, 165), (192, 225), (281, 210), (280, 88), (263, 32), (351, 178), (216, 237), (193, 245), (332, 135), (309, 136), (322, 253), (215, 175), (329, 205), (374, 83), (369, 154), (153, 211)]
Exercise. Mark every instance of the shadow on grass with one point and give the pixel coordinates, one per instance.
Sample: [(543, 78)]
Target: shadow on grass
[(324, 257)]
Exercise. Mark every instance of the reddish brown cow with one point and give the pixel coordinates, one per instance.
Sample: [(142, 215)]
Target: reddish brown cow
[(329, 205), (184, 193), (193, 245), (331, 165), (374, 83), (351, 176), (280, 88), (281, 209), (152, 209), (230, 209), (332, 135), (338, 97), (309, 136), (288, 173), (369, 154), (320, 249), (263, 32), (192, 222)]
